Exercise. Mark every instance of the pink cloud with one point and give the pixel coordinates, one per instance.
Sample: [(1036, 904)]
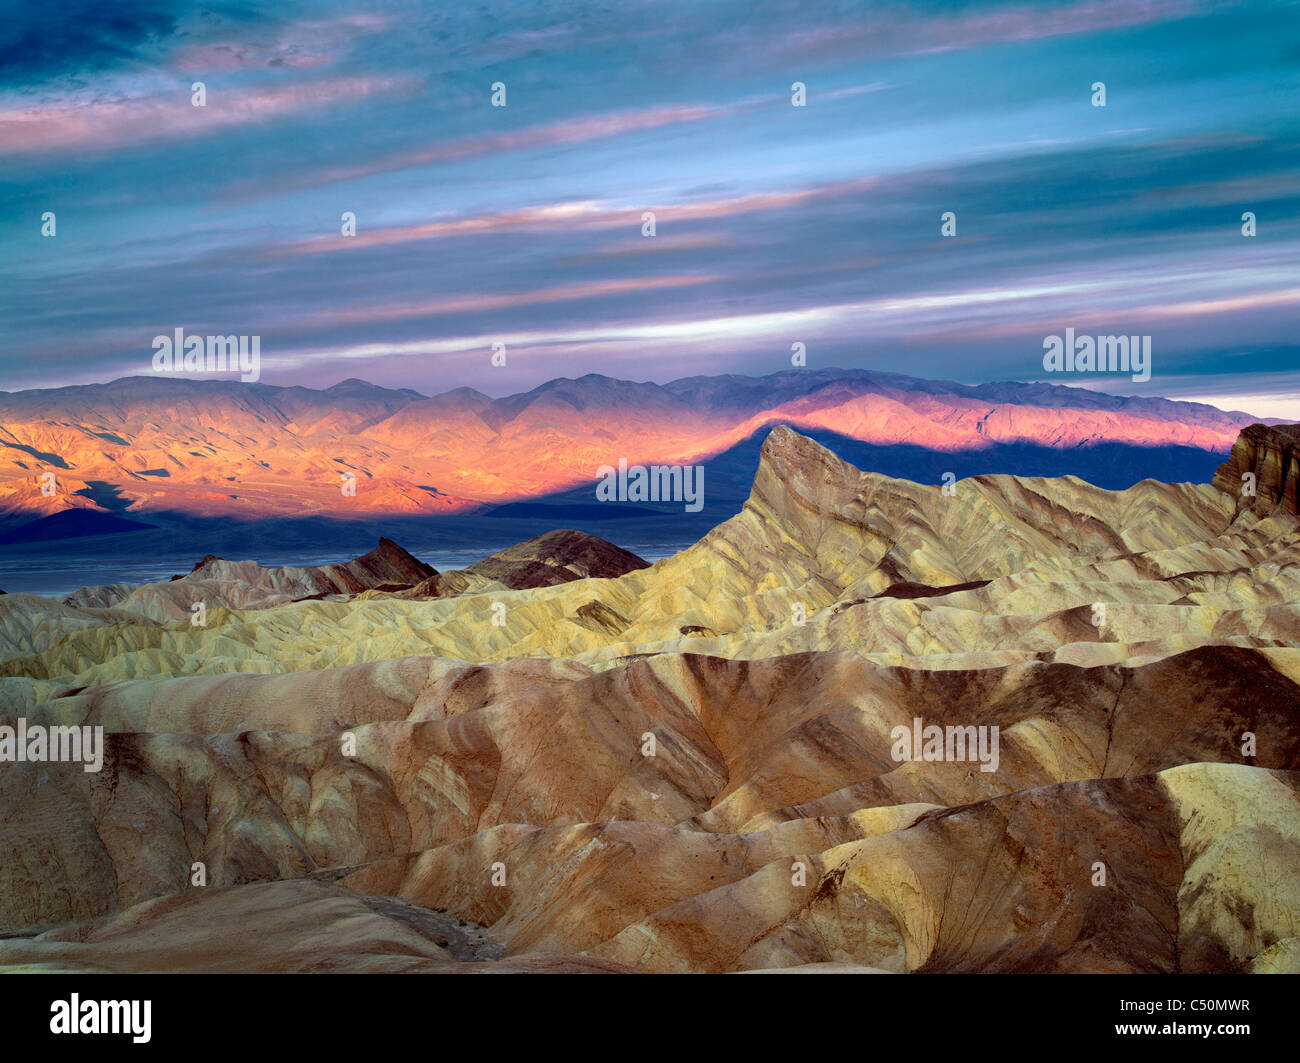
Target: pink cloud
[(505, 300), (581, 214), (570, 131), (73, 124), (898, 32), (1123, 318), (1032, 22)]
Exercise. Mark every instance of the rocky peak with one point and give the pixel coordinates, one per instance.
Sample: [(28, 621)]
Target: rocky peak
[(389, 563), (558, 557), (789, 458)]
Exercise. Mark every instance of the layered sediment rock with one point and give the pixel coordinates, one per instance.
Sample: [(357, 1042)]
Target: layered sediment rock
[(247, 585), (1265, 460), (557, 557)]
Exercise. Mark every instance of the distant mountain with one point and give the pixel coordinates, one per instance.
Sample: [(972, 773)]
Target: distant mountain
[(218, 449)]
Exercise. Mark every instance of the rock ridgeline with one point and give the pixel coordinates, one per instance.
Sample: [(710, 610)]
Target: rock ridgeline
[(248, 585), (547, 560), (544, 561), (558, 557)]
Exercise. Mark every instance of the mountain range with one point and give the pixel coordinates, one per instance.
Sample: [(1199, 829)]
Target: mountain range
[(142, 451)]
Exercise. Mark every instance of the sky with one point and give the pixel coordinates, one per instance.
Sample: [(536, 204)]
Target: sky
[(774, 224)]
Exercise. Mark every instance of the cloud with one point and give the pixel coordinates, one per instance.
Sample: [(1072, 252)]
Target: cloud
[(301, 45), (576, 215), (68, 124), (473, 303), (567, 132), (475, 222), (1033, 21), (920, 29)]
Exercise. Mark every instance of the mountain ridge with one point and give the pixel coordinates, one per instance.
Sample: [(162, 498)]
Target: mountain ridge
[(222, 449), (999, 390)]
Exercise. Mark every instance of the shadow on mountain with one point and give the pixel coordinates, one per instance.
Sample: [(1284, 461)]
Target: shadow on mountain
[(105, 495), (71, 524), (728, 475), (637, 526)]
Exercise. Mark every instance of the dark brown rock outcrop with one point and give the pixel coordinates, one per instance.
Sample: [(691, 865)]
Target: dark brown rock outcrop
[(558, 557), (1272, 454)]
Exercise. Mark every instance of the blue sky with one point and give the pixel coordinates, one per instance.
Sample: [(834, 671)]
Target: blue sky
[(775, 224)]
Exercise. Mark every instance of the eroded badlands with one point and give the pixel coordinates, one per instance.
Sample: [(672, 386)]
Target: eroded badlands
[(384, 769)]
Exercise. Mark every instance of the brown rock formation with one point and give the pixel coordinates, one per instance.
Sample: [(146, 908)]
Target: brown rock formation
[(247, 585), (1272, 456), (557, 557)]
